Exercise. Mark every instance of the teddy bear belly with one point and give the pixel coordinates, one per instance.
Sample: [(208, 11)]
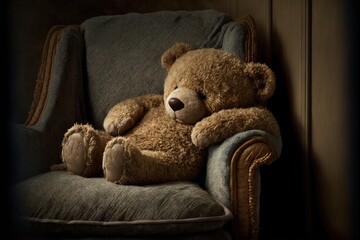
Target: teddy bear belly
[(158, 132)]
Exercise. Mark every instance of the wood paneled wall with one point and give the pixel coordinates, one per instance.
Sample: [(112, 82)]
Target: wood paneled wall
[(333, 111), (310, 192), (310, 45)]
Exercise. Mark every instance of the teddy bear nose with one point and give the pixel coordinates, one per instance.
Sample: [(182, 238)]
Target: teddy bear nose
[(175, 104)]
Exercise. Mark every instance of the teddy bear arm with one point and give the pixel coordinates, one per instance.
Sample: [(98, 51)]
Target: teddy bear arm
[(226, 123), (124, 115)]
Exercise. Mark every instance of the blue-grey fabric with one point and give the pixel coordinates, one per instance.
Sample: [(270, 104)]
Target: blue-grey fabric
[(123, 52), (234, 38), (217, 180), (61, 202), (35, 148)]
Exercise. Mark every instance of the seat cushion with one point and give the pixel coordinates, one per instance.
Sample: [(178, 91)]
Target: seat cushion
[(58, 202)]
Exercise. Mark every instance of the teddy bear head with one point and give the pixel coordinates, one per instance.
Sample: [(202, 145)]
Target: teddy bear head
[(203, 81)]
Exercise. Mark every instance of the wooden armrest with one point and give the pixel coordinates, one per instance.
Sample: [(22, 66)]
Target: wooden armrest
[(245, 185)]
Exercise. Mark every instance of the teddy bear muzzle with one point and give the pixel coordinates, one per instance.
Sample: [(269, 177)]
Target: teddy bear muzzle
[(185, 106)]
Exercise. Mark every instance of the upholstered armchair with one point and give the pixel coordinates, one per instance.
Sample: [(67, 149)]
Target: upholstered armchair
[(88, 68)]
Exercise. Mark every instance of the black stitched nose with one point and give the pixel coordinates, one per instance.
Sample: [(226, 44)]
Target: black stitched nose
[(176, 104)]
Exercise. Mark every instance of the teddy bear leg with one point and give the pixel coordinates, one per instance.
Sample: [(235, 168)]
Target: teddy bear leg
[(82, 149), (124, 163), (114, 158)]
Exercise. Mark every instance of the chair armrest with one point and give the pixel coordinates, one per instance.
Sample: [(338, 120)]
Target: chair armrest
[(233, 176), (58, 104), (33, 150)]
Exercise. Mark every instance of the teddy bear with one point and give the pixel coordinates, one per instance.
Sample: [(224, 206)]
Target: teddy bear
[(209, 95)]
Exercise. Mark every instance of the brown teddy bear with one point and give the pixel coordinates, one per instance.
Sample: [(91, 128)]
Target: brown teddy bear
[(209, 95)]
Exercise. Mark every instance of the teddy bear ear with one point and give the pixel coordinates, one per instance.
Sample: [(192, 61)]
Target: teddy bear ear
[(263, 79), (177, 50)]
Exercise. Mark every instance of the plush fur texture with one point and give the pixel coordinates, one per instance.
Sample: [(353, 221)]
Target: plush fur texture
[(209, 95)]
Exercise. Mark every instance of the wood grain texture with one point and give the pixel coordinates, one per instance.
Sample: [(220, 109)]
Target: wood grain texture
[(331, 116), (308, 44)]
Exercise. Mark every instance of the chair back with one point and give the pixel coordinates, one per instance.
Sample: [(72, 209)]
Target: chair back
[(123, 52)]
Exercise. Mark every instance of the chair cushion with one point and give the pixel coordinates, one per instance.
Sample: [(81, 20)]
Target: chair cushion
[(58, 202)]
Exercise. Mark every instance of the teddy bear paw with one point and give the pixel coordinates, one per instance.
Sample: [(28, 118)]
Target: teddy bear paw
[(117, 128), (199, 140), (114, 161), (74, 153)]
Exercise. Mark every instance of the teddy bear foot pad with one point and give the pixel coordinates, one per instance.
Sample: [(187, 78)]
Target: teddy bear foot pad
[(113, 161), (74, 154)]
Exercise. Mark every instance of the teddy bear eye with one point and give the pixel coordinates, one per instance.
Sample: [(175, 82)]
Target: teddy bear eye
[(176, 87), (201, 96)]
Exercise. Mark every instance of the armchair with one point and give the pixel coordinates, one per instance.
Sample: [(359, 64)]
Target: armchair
[(88, 68)]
